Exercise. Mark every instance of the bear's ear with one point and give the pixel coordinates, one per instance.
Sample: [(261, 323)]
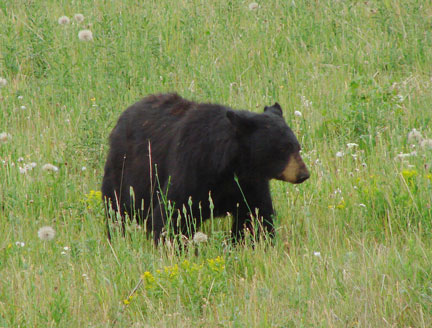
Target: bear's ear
[(243, 124), (276, 109)]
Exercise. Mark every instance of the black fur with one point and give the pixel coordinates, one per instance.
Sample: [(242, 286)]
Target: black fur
[(165, 144)]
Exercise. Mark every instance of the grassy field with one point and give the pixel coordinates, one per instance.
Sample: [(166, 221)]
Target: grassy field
[(354, 242)]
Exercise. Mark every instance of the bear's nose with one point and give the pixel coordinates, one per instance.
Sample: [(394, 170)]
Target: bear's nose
[(303, 176)]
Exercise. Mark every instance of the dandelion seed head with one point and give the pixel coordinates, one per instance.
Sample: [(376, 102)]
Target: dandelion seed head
[(85, 35), (200, 237), (414, 136), (20, 244), (298, 113), (50, 167), (79, 17), (46, 233), (3, 82), (63, 20), (253, 6)]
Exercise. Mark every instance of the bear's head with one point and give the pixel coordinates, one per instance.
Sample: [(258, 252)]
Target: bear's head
[(268, 145)]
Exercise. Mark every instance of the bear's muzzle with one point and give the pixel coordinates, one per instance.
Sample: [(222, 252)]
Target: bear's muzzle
[(295, 171)]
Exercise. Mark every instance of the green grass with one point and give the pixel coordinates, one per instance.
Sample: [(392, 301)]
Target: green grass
[(364, 65)]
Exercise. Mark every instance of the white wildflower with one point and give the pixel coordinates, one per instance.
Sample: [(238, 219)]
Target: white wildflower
[(426, 143), (66, 248), (50, 167), (79, 17), (46, 233), (20, 97), (5, 137), (401, 156), (20, 244), (23, 107), (20, 159), (22, 170), (83, 168), (200, 237), (362, 205), (85, 35), (317, 254), (339, 154), (253, 6), (352, 145), (305, 102), (297, 113), (63, 20)]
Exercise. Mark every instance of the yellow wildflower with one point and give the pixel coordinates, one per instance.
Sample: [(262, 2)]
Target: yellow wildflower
[(408, 174), (341, 205), (149, 280), (217, 264), (171, 271), (93, 199)]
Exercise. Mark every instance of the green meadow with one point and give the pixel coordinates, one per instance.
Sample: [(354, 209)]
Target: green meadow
[(354, 242)]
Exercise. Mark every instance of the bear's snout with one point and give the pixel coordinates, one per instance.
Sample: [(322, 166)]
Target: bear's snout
[(303, 176), (295, 171)]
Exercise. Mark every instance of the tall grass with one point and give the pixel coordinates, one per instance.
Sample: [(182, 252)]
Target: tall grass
[(353, 245)]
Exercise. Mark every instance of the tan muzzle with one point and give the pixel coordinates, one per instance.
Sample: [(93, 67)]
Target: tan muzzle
[(295, 171)]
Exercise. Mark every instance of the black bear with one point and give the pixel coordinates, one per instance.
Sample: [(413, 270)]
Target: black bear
[(174, 161)]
